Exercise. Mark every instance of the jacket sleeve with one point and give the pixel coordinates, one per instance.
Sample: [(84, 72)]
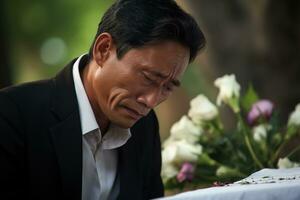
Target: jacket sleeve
[(156, 190), (12, 173)]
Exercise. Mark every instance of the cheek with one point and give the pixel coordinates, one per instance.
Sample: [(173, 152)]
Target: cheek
[(101, 86), (99, 93), (130, 82)]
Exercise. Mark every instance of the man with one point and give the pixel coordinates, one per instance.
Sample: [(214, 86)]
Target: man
[(90, 132)]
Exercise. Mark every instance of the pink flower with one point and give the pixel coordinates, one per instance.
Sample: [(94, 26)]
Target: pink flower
[(186, 172), (262, 108)]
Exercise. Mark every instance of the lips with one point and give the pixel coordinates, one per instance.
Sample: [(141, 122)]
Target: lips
[(133, 113)]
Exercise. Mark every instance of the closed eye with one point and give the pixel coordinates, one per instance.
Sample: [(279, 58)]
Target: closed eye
[(168, 87), (148, 79)]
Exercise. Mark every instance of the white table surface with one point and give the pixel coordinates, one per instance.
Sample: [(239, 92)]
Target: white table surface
[(266, 184)]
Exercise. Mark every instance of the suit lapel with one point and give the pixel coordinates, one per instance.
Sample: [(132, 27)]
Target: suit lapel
[(129, 170), (67, 140), (66, 134)]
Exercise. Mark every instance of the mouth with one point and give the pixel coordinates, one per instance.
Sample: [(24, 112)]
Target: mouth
[(133, 113)]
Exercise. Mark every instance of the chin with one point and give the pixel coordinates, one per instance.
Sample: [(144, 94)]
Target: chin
[(124, 123)]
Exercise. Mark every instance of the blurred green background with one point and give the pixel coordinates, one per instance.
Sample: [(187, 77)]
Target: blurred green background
[(43, 36), (258, 40)]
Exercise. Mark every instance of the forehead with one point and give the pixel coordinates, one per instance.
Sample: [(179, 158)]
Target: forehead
[(167, 57)]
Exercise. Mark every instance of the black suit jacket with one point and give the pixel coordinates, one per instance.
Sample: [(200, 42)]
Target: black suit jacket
[(41, 145)]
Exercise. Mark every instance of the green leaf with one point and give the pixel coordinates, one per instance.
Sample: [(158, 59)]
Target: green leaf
[(249, 98)]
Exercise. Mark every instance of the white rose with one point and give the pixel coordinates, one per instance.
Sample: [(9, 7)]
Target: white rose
[(185, 129), (294, 118), (229, 90), (179, 151), (168, 171), (260, 132), (284, 163), (201, 109)]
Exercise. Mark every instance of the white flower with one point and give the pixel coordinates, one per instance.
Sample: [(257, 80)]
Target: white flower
[(224, 171), (228, 87), (185, 129), (294, 118), (221, 171), (179, 151), (229, 90), (260, 132), (284, 163), (201, 109), (168, 171)]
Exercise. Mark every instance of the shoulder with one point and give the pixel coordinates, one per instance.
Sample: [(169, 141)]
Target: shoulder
[(26, 90), (27, 93), (19, 102)]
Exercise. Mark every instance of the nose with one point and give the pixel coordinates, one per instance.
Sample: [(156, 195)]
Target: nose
[(151, 99)]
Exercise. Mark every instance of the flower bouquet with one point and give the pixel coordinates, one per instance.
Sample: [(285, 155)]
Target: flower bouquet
[(201, 152)]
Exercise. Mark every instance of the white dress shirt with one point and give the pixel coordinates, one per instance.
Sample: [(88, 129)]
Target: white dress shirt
[(100, 157)]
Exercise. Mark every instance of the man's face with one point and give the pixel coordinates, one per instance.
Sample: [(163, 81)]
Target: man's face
[(127, 89)]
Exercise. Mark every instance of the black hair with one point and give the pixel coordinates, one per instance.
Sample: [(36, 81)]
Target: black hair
[(134, 23)]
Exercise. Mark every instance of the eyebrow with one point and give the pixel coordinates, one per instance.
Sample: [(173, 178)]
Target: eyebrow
[(175, 82)]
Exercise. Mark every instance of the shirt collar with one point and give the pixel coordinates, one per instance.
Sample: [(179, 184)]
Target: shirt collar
[(115, 136), (87, 117)]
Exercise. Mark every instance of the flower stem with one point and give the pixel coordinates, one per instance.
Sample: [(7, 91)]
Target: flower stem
[(247, 140), (294, 151), (217, 126), (276, 154), (248, 143), (280, 148), (290, 134)]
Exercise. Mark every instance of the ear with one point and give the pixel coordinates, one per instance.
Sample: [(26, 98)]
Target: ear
[(102, 48)]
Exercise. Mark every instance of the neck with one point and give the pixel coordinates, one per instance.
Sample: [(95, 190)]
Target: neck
[(101, 119)]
